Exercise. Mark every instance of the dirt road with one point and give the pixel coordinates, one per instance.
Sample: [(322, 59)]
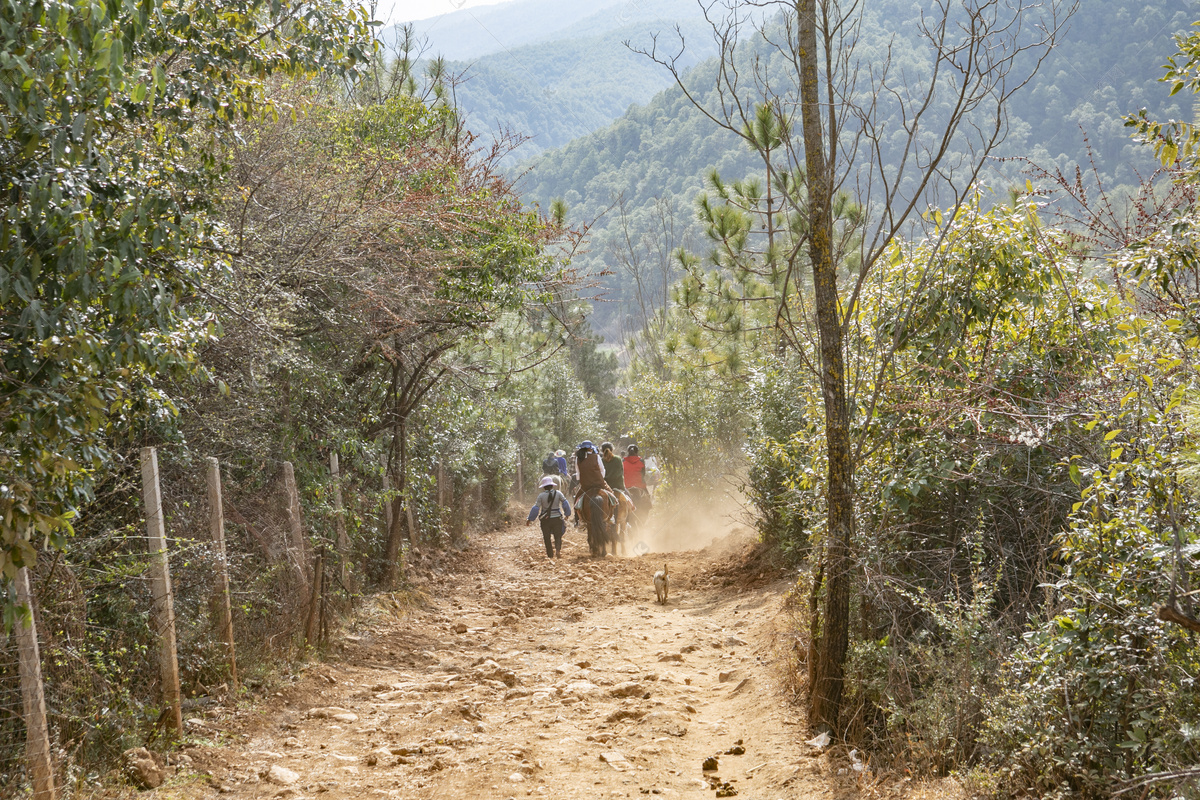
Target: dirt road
[(520, 676)]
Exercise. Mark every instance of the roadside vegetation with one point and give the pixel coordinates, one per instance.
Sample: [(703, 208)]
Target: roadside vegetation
[(242, 232), (1021, 399)]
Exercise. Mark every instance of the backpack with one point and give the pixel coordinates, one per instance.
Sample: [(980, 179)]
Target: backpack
[(545, 512), (550, 465)]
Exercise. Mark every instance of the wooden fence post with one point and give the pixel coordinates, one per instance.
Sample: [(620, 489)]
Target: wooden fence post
[(37, 736), (160, 577), (296, 526), (312, 626), (216, 511), (441, 485), (412, 527), (343, 542)]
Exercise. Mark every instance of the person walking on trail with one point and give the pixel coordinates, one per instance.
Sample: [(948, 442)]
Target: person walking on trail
[(551, 508), (614, 469)]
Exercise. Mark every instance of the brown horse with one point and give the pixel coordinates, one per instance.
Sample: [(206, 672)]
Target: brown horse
[(596, 510), (614, 521)]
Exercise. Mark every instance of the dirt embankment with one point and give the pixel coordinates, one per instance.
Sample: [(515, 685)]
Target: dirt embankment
[(520, 676)]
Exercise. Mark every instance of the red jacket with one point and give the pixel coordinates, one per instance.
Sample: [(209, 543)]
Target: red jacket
[(635, 472)]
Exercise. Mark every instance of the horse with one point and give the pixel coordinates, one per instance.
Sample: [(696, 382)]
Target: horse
[(626, 514), (595, 510), (559, 481), (641, 506)]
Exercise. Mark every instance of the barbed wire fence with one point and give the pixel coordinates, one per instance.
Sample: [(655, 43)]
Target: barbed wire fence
[(252, 568), (188, 579)]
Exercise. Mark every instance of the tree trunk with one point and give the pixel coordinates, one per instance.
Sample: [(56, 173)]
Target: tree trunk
[(401, 517), (825, 692)]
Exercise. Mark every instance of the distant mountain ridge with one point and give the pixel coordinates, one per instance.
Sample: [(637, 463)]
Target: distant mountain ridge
[(1106, 65), (555, 70), (554, 92), (472, 33)]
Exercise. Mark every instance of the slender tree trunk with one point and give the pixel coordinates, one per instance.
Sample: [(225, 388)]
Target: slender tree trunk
[(825, 692), (398, 517)]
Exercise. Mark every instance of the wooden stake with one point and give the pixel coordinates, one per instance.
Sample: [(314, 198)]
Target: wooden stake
[(160, 581), (37, 736), (216, 527), (313, 624), (339, 518), (412, 528), (441, 486), (296, 548)]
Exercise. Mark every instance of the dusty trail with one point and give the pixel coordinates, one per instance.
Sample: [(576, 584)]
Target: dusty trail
[(526, 677)]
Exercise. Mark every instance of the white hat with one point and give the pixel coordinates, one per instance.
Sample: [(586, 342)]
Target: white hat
[(546, 483), (560, 453)]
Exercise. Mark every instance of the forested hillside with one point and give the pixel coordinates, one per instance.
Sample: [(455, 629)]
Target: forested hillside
[(474, 32), (559, 90), (1107, 65)]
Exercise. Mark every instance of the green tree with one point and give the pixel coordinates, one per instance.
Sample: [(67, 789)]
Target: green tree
[(414, 250), (793, 89), (112, 114)]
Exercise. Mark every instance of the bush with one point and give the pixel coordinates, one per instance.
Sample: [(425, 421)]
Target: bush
[(1101, 691)]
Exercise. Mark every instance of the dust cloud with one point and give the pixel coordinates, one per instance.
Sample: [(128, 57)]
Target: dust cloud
[(690, 522)]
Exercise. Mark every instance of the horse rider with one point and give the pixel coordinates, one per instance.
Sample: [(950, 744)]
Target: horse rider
[(614, 469), (634, 471), (591, 471), (560, 457), (551, 508), (549, 465)]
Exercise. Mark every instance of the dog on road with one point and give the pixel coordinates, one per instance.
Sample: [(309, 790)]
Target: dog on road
[(662, 583)]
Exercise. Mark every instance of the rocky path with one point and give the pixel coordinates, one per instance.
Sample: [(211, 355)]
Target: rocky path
[(519, 676)]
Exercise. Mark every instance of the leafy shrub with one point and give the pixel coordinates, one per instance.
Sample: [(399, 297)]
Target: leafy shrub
[(1101, 691)]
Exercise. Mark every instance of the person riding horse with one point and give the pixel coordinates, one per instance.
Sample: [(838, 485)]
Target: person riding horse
[(590, 470), (634, 469), (593, 489)]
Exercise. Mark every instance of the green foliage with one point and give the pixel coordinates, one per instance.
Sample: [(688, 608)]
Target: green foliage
[(106, 167), (921, 695), (1175, 140), (695, 427), (1101, 691)]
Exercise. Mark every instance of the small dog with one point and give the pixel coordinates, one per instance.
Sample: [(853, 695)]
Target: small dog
[(662, 582)]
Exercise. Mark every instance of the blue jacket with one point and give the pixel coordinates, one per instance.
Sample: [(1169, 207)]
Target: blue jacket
[(547, 497), (562, 466)]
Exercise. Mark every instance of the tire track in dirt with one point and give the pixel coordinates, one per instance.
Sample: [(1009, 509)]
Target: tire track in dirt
[(520, 676)]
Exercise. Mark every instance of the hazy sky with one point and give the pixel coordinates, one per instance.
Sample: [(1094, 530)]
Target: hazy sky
[(393, 11)]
